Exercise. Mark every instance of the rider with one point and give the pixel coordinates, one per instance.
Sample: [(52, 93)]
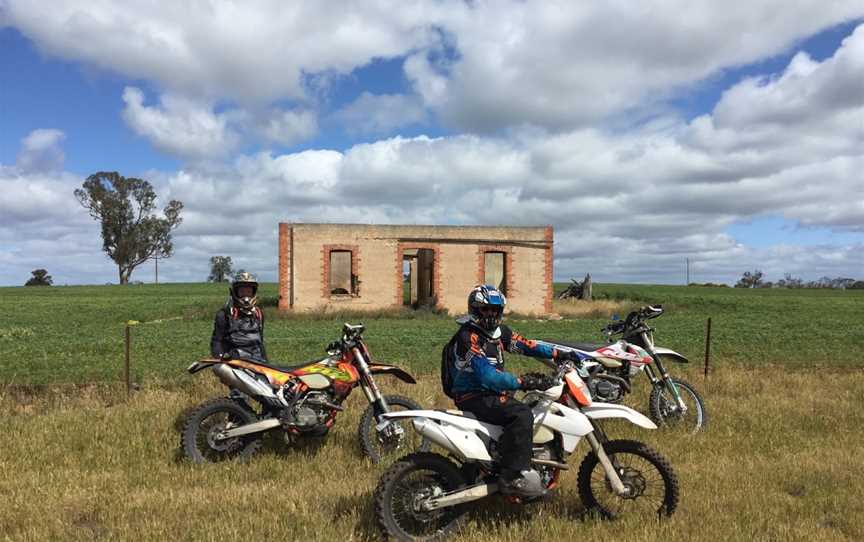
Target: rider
[(481, 386), (238, 330)]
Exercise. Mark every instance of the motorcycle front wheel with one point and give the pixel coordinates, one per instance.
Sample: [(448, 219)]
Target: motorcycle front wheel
[(404, 487), (396, 439), (664, 410), (200, 432), (652, 487)]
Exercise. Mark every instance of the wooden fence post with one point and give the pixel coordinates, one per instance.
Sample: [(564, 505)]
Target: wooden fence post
[(707, 348), (127, 361)]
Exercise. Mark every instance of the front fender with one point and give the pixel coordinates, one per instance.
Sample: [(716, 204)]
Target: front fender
[(604, 411), (383, 368), (660, 351)]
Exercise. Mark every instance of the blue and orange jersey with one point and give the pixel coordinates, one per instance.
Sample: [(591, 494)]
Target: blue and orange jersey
[(480, 359)]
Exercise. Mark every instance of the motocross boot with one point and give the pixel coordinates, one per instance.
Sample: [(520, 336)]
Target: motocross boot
[(526, 484)]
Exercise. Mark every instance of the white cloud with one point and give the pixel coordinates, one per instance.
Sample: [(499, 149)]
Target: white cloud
[(380, 113), (245, 52), (480, 65), (178, 125), (287, 127), (625, 205), (563, 64), (41, 150), (192, 129)]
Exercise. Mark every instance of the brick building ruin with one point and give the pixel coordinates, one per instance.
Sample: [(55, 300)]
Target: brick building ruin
[(371, 267)]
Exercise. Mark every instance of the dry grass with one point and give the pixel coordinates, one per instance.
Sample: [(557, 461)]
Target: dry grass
[(781, 461), (597, 308)]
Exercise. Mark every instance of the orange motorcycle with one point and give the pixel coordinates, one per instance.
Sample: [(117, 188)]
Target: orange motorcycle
[(300, 401)]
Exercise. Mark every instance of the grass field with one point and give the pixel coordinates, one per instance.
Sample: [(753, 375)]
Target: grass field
[(780, 461), (75, 334)]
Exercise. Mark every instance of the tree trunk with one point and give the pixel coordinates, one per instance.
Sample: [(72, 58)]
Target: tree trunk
[(125, 272), (586, 288)]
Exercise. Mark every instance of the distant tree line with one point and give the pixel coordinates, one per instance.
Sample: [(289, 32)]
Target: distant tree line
[(754, 279)]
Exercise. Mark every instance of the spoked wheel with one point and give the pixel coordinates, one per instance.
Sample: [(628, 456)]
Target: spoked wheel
[(664, 409), (396, 439), (201, 441), (652, 487), (403, 489)]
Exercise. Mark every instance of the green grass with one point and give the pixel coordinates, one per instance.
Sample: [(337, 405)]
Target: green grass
[(75, 334), (780, 461)]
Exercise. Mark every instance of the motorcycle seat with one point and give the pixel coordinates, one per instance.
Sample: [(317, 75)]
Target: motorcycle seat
[(584, 347)]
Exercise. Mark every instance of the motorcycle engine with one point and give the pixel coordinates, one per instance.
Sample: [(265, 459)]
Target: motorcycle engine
[(309, 412), (605, 391)]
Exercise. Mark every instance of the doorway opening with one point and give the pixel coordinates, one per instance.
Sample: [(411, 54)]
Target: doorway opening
[(418, 274)]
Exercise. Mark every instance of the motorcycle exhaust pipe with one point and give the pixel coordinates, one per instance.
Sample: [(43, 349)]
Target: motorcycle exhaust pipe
[(249, 428), (469, 494), (550, 463), (239, 380)]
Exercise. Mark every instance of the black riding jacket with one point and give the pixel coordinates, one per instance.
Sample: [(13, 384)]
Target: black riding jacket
[(234, 330)]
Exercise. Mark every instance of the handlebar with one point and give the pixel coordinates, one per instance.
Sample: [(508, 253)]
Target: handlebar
[(634, 322), (351, 333)]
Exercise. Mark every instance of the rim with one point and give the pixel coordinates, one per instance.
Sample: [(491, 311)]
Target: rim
[(642, 478), (208, 445), (672, 415), (408, 494), (398, 438)]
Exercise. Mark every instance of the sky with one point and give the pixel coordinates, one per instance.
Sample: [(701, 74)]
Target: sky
[(646, 133)]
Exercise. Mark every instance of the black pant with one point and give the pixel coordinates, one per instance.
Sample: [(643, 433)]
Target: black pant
[(518, 422)]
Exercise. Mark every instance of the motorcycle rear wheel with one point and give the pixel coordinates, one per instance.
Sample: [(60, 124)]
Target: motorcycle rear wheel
[(199, 432), (648, 475), (404, 485), (663, 408)]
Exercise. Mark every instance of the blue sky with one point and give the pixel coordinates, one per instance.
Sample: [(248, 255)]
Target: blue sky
[(417, 115)]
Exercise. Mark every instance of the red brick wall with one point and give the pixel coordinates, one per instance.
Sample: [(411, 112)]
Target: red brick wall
[(548, 302), (284, 270)]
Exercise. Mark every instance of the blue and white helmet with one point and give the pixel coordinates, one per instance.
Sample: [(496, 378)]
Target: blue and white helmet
[(486, 307)]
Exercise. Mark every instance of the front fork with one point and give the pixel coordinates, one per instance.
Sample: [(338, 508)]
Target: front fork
[(666, 381), (370, 389), (608, 466)]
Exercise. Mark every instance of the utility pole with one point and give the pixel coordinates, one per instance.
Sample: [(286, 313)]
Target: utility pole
[(688, 272), (156, 260)]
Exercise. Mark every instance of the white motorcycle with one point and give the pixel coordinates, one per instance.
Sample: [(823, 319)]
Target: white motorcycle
[(673, 402), (423, 495)]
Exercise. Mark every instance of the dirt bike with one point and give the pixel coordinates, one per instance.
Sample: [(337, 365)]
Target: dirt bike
[(300, 401), (611, 367), (422, 496)]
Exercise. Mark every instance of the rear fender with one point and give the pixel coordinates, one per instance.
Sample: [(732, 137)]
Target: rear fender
[(202, 364), (605, 411), (660, 351), (458, 434), (383, 368)]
